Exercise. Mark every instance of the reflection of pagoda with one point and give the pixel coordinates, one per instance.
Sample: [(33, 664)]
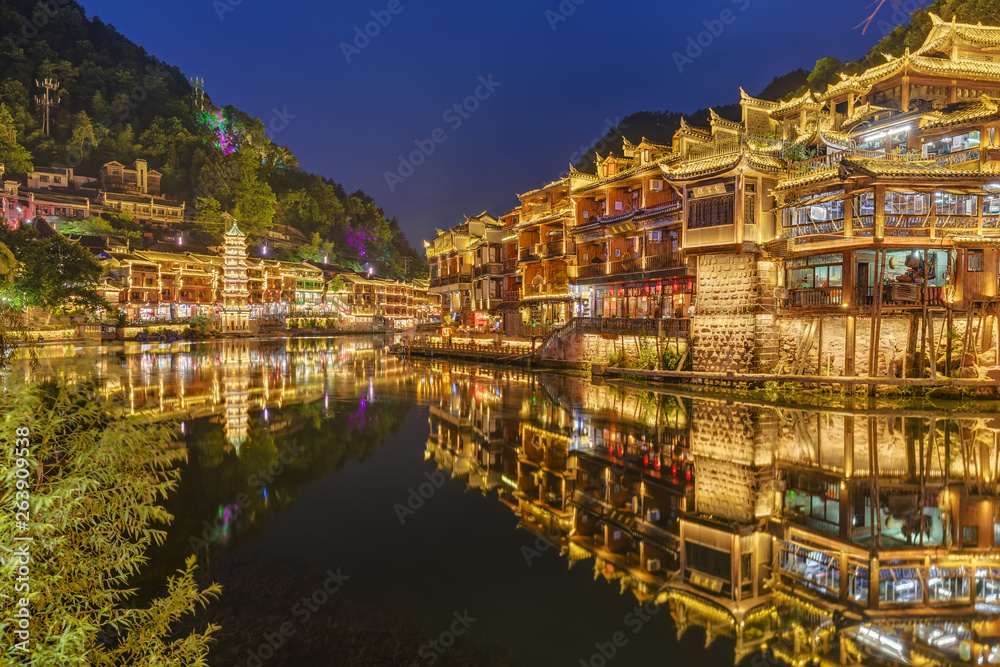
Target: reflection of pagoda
[(236, 386), (235, 293)]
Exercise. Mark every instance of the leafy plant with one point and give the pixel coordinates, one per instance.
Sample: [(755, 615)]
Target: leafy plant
[(94, 484)]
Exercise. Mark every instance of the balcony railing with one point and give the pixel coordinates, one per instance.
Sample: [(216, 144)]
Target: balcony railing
[(833, 160), (527, 254), (592, 270), (488, 269), (547, 288), (634, 326), (555, 248), (509, 264), (512, 295), (815, 298)]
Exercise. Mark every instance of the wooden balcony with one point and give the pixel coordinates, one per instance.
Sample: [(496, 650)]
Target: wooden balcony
[(488, 269), (510, 264), (512, 295)]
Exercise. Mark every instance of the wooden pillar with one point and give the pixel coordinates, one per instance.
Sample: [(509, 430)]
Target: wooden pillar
[(848, 212), (739, 217), (849, 346), (904, 92), (879, 226), (819, 349)]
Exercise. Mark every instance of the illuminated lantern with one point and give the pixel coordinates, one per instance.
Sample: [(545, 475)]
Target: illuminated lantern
[(688, 474), (645, 460), (674, 469), (621, 450), (611, 449), (657, 463)]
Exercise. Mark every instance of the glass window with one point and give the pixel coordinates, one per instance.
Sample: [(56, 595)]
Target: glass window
[(900, 585), (950, 204), (975, 265), (857, 582), (897, 203), (864, 204), (991, 205), (948, 584), (817, 569)]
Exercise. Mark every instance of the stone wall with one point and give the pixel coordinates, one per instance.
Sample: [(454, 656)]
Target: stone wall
[(892, 342), (731, 446), (595, 349), (724, 328)]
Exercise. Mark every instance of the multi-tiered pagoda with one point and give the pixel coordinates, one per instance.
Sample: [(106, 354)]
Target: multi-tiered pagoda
[(235, 293)]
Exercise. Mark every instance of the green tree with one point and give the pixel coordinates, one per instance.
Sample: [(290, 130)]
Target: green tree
[(827, 71), (92, 499), (13, 156), (58, 275)]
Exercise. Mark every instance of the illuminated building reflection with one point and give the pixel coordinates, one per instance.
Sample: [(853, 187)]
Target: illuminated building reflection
[(841, 536)]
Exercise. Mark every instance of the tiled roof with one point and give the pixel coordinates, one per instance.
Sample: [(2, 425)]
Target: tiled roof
[(984, 108), (892, 169)]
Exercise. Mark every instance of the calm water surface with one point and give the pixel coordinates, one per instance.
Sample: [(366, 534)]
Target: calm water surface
[(361, 510)]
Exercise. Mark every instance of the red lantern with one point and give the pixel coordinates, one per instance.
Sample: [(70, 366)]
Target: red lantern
[(657, 463), (688, 474), (645, 460), (674, 469)]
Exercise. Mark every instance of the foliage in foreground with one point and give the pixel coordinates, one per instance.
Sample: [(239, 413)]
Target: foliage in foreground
[(94, 487)]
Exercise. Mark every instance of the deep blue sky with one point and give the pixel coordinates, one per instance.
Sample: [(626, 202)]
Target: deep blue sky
[(353, 120)]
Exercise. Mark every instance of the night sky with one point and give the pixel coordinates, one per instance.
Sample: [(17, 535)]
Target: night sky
[(563, 69)]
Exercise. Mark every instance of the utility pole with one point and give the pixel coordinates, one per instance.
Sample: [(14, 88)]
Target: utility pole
[(48, 102), (198, 83)]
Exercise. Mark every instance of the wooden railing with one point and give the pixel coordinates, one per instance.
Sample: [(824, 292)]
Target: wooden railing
[(527, 254), (960, 157), (816, 297), (510, 264), (512, 295), (592, 270), (634, 326), (555, 248), (488, 269), (833, 160)]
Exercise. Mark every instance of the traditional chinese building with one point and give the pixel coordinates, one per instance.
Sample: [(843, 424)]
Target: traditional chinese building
[(235, 297)]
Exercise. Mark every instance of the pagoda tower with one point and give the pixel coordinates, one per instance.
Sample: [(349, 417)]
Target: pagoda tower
[(235, 277)]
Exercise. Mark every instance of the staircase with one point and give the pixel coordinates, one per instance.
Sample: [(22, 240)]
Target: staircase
[(556, 335)]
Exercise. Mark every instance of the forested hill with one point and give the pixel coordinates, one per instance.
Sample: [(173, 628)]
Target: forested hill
[(117, 102), (659, 126)]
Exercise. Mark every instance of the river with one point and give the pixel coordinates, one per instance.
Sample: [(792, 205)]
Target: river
[(359, 509)]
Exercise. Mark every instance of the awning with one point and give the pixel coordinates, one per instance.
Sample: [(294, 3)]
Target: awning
[(622, 227)]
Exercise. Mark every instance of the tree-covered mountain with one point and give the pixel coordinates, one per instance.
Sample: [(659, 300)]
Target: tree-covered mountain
[(115, 101), (659, 126)]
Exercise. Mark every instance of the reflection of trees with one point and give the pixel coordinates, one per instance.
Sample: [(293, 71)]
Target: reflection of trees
[(297, 445)]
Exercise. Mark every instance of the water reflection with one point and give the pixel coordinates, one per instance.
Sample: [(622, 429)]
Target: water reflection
[(820, 533)]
